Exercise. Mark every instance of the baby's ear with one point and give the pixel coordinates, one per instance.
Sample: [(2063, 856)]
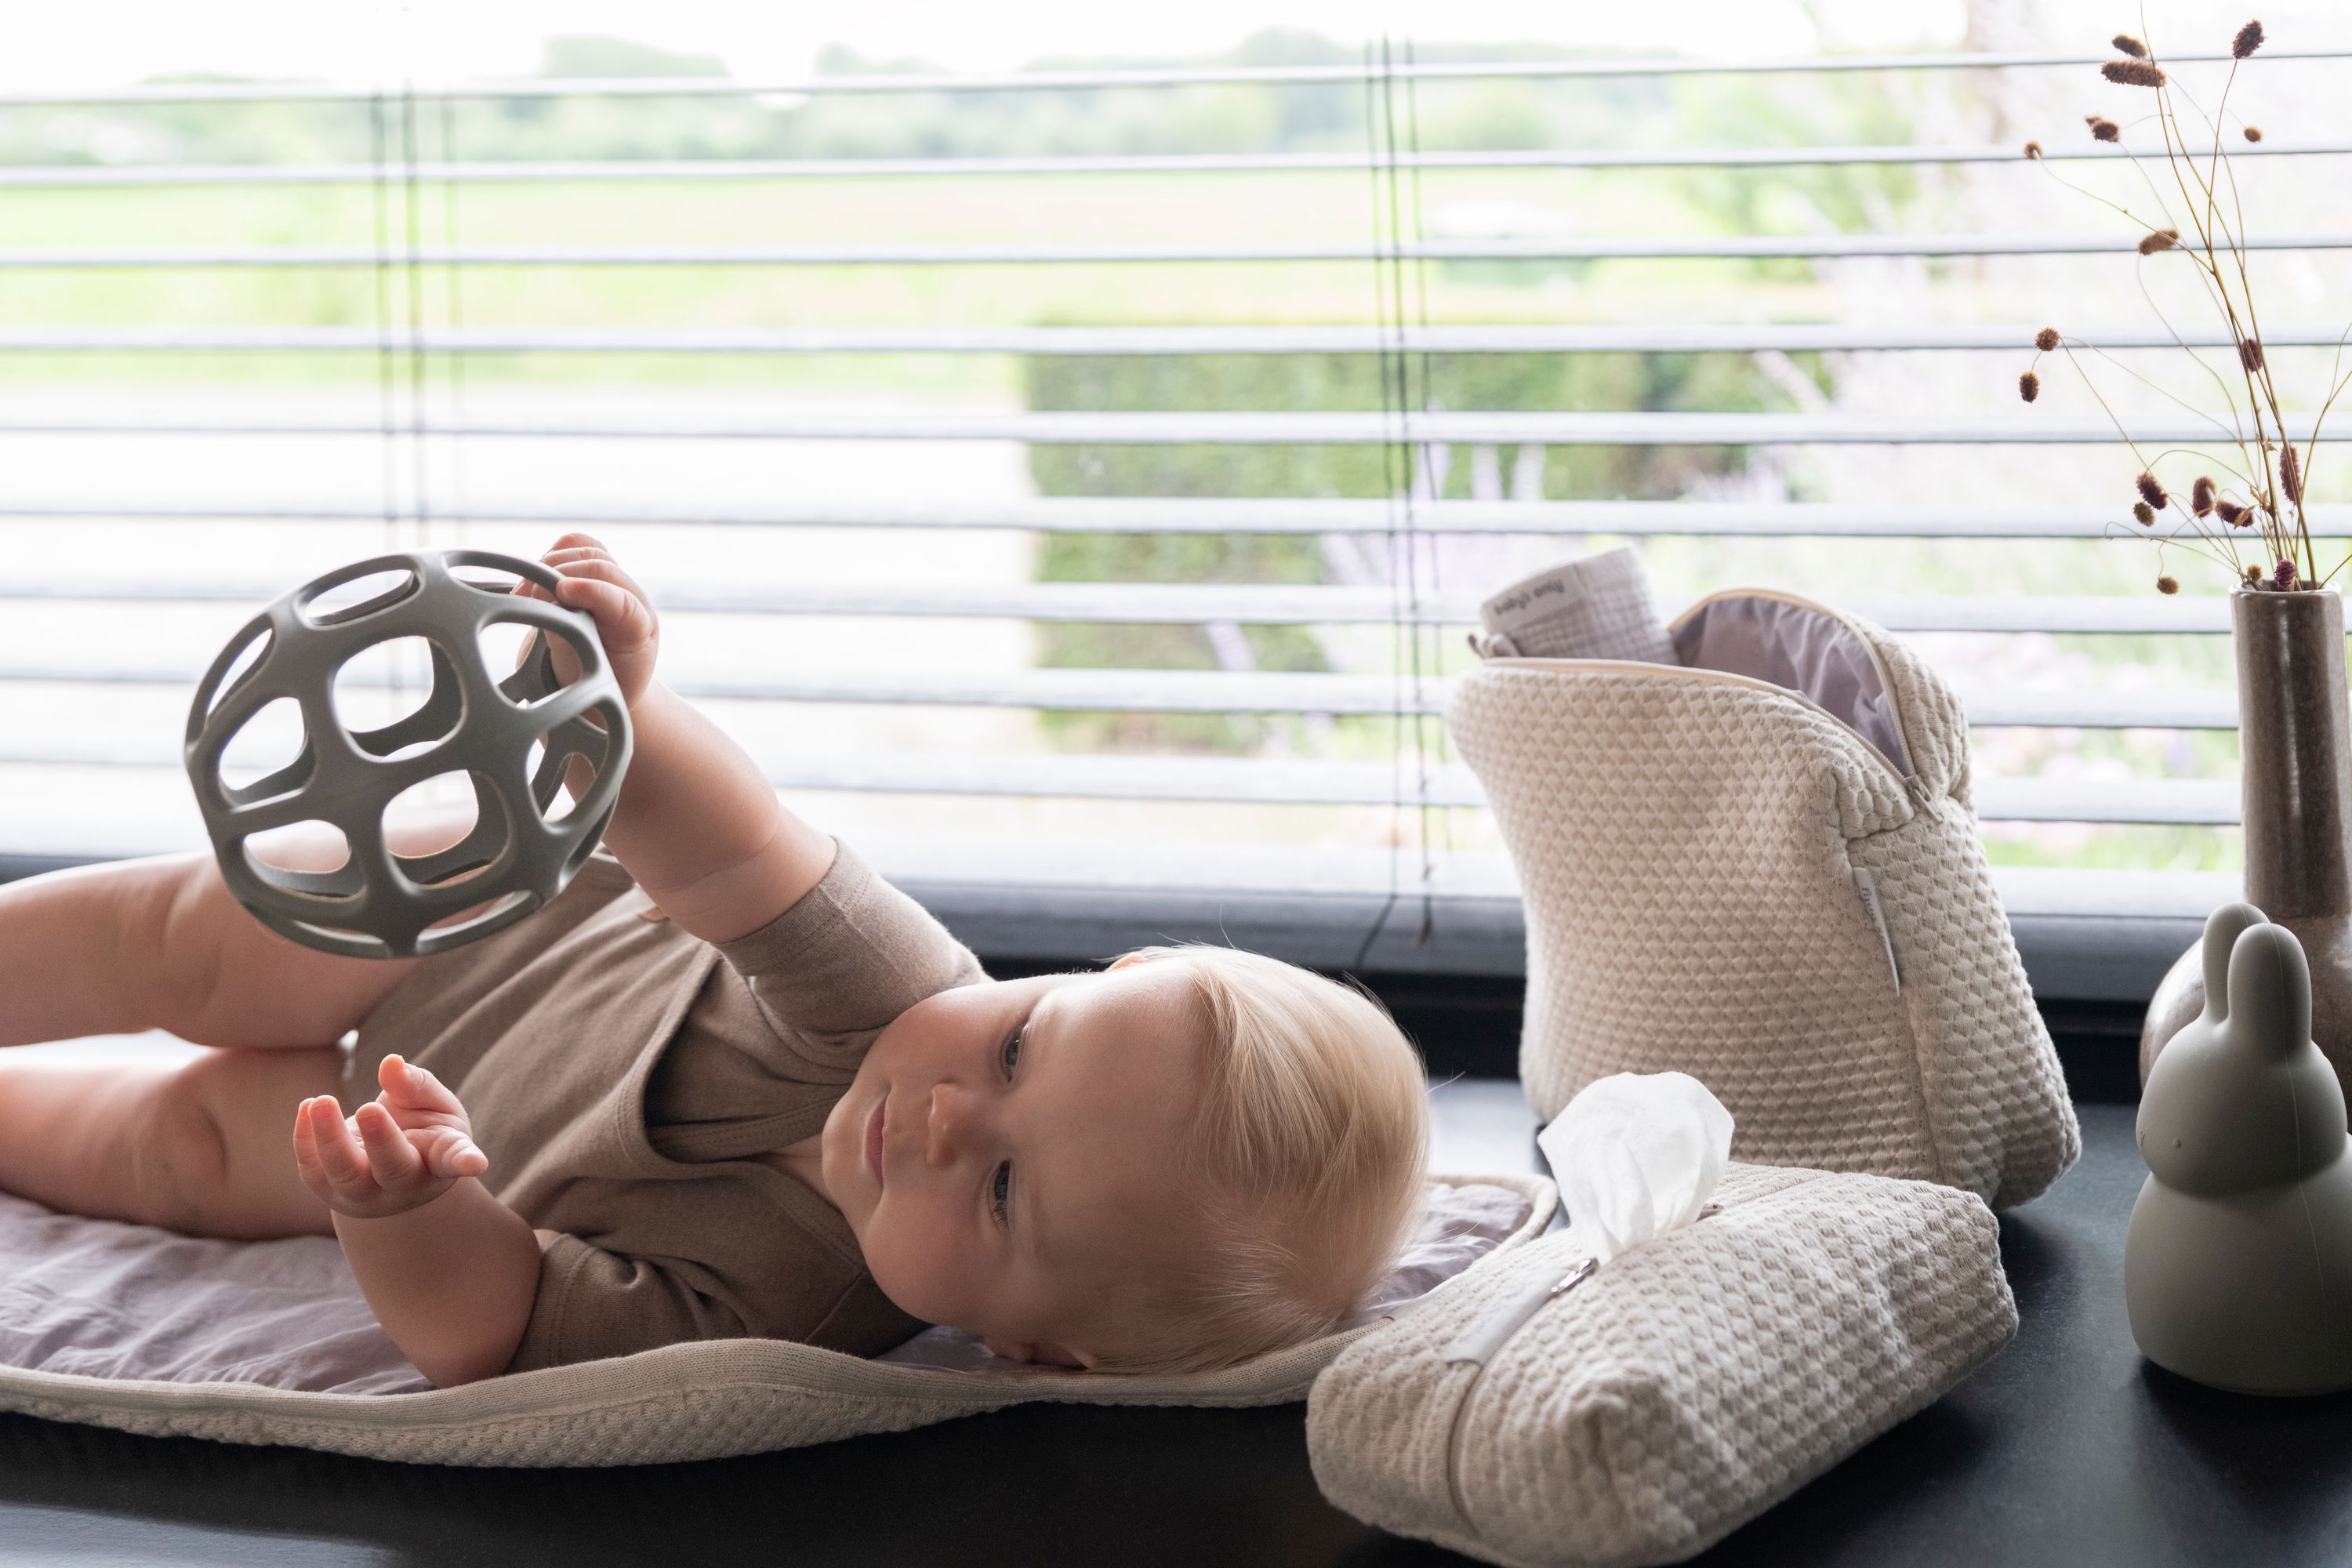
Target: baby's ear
[(1041, 1352), (1129, 961)]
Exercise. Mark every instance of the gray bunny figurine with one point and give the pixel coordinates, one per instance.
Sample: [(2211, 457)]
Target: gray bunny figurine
[(2238, 1265)]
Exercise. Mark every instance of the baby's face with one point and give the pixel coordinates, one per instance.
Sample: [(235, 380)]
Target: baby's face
[(1009, 1151)]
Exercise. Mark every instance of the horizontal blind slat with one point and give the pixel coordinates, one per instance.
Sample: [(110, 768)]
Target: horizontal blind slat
[(1349, 340), (1223, 691), (1107, 514), (1510, 248), (1318, 429), (882, 82), (1258, 781), (68, 176), (1193, 603)]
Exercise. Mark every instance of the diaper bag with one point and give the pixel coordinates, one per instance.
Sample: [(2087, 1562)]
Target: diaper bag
[(1760, 867)]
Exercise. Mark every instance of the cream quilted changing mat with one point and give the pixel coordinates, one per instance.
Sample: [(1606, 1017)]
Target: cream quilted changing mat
[(686, 1402), (1770, 880), (1682, 1389)]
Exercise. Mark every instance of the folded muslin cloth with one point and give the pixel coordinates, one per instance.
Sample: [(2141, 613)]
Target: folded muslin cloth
[(1596, 607)]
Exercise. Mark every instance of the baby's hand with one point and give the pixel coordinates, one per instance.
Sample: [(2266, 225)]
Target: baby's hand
[(412, 1142), (626, 622)]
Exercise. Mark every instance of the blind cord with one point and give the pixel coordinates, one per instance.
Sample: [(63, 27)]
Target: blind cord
[(1398, 400), (454, 363), (411, 204)]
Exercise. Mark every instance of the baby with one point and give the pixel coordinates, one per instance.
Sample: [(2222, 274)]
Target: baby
[(729, 1083)]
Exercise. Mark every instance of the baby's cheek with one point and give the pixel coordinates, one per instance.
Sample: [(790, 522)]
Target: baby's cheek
[(922, 1270)]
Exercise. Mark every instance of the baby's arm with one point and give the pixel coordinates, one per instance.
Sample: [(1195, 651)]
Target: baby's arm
[(698, 825), (450, 1271)]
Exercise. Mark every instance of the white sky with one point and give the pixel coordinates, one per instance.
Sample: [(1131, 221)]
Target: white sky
[(111, 42)]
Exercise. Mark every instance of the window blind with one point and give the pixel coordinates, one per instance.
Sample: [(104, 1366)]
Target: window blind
[(390, 441)]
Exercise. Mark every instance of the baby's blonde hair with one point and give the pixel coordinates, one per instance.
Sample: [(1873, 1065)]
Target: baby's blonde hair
[(1311, 1139)]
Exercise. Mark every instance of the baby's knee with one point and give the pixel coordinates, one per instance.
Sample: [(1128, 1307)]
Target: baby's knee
[(178, 1153), (163, 933)]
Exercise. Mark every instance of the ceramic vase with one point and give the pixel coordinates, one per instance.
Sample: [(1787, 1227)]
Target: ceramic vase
[(2295, 744)]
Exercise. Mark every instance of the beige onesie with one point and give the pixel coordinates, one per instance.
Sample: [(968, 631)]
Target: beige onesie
[(623, 1075)]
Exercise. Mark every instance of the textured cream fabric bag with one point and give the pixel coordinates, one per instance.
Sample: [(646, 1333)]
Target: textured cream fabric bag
[(1725, 877), (1682, 1389), (702, 1401)]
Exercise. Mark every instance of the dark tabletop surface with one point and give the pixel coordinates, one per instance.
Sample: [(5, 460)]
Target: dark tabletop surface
[(2068, 1449)]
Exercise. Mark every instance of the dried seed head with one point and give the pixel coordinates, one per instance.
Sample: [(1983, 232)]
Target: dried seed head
[(2249, 39), (2129, 46), (2291, 474), (2104, 129), (2253, 132), (2133, 73), (2166, 585), (2253, 575), (2157, 239), (2250, 354), (2234, 514), (2145, 513), (2284, 576), (2200, 497), (2028, 387), (2033, 149), (2046, 339), (2152, 492)]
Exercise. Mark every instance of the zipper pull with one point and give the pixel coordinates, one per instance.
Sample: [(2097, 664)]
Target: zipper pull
[(1477, 1343), (1866, 883)]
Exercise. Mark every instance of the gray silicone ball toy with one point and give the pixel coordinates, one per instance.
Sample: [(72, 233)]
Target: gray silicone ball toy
[(520, 852), (2238, 1265)]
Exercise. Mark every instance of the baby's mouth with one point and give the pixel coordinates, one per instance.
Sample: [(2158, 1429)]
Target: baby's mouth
[(874, 1124)]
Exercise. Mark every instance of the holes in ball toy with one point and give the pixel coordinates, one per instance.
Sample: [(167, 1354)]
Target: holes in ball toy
[(579, 776), (314, 847), (431, 830), (340, 602), (487, 579), (255, 649), (264, 748), (397, 698), (503, 643)]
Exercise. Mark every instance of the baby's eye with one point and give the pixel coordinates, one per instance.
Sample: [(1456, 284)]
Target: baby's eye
[(1012, 1051), (999, 1186)]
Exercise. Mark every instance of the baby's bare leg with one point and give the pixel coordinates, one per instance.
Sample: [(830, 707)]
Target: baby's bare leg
[(203, 1147), (162, 944)]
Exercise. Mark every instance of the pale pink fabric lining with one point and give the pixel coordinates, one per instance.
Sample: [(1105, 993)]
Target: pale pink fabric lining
[(1801, 648), (107, 1299)]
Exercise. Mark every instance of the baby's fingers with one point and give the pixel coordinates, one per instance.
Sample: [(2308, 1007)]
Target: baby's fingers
[(448, 1152), (394, 1159), (328, 1161), (624, 620), (407, 1087)]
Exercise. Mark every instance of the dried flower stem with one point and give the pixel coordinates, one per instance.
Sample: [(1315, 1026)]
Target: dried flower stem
[(2213, 213)]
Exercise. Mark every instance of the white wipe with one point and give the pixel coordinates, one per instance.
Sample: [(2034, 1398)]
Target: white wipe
[(1636, 1156)]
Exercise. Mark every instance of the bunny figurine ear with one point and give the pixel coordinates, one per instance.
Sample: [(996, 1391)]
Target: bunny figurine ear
[(2270, 993), (2223, 928)]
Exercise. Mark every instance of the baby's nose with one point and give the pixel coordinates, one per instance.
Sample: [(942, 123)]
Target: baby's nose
[(945, 1126)]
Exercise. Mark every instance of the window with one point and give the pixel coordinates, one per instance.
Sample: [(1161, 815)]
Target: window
[(1073, 485)]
